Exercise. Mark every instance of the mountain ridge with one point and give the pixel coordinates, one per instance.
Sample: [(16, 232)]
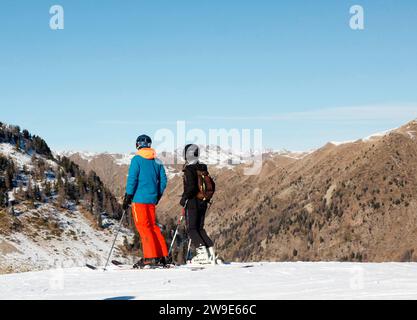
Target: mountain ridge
[(348, 202), (351, 201)]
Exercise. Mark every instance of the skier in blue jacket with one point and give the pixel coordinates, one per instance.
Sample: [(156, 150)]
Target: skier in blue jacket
[(146, 184)]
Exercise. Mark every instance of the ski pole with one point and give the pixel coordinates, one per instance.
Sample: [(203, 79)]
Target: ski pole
[(209, 207), (187, 257), (178, 227), (115, 238)]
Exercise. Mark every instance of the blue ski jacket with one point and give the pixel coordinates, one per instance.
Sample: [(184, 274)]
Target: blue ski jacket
[(147, 179)]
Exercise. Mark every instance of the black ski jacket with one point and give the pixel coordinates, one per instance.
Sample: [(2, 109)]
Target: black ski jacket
[(191, 181)]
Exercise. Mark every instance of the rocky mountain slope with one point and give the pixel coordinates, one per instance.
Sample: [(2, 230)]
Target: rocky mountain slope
[(354, 201), (51, 212), (347, 201), (111, 168), (351, 201)]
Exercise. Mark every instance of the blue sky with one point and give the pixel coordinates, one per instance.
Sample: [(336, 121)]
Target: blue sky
[(120, 68)]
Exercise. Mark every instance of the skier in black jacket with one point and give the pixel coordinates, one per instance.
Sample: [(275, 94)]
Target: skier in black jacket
[(195, 208)]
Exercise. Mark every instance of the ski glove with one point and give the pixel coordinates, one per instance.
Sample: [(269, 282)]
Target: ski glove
[(127, 201), (159, 199), (183, 202)]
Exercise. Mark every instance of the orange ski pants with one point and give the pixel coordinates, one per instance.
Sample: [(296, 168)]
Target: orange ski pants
[(153, 242)]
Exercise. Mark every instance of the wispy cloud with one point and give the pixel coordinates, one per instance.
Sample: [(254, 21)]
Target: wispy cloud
[(351, 114), (133, 122), (141, 123)]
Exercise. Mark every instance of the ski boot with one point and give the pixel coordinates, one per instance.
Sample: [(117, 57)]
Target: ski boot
[(202, 256), (212, 256), (165, 262), (145, 263), (214, 259)]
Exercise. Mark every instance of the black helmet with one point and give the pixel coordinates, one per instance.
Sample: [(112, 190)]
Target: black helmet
[(191, 153), (143, 141)]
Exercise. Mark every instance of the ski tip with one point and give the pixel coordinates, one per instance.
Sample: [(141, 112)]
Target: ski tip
[(89, 266)]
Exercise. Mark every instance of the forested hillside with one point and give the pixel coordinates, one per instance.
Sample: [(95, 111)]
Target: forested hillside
[(29, 172), (52, 213)]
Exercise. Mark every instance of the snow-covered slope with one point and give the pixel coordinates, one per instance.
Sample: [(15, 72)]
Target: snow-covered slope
[(262, 281), (21, 159), (51, 238), (51, 213)]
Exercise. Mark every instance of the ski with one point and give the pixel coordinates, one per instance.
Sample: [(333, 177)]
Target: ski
[(170, 266), (127, 267), (89, 266), (190, 267), (208, 266), (116, 263)]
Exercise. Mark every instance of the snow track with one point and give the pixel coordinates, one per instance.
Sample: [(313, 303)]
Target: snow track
[(263, 281)]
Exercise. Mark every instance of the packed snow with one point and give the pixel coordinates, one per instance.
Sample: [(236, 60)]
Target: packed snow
[(261, 281)]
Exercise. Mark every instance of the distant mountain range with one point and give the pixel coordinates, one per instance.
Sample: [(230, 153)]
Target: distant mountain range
[(347, 201), (113, 167)]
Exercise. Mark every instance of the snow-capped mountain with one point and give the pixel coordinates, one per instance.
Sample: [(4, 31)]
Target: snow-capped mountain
[(211, 155), (351, 201), (119, 158), (347, 202), (113, 167), (408, 129), (51, 212)]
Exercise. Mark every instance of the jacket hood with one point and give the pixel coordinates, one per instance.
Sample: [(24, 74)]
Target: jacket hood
[(147, 153)]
